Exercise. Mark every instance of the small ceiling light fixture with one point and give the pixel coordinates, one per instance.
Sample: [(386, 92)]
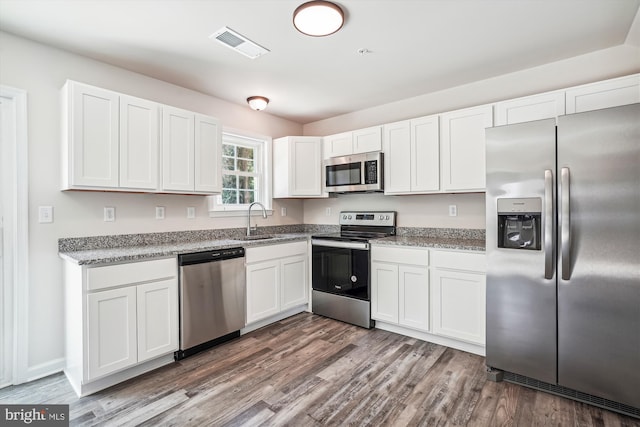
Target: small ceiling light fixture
[(257, 102), (318, 18)]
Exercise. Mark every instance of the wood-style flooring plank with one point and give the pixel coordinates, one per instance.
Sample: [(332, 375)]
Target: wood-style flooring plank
[(313, 371)]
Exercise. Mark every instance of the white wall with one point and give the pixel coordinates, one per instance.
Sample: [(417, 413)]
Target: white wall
[(41, 71), (432, 210)]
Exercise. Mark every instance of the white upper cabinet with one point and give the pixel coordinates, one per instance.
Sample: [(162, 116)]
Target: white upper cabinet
[(191, 152), (530, 108), (610, 93), (111, 141), (138, 143), (367, 140), (297, 167), (356, 142), (412, 156), (340, 144), (91, 139), (462, 142), (208, 154), (178, 172)]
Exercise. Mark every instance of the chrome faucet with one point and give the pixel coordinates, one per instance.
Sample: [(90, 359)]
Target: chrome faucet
[(264, 215)]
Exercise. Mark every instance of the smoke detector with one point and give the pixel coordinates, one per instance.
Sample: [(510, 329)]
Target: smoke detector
[(238, 42)]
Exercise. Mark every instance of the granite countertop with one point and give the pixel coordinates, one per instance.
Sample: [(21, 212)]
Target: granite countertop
[(95, 250), (142, 252), (455, 243)]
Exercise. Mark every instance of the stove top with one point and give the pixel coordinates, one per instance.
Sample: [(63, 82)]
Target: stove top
[(363, 226)]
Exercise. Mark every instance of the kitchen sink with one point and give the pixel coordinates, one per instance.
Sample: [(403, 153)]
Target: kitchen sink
[(258, 237)]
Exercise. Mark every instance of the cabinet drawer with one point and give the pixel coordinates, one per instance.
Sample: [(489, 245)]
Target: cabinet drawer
[(263, 253), (459, 260), (400, 255), (123, 274)]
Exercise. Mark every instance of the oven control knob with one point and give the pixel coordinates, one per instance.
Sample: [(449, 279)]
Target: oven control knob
[(344, 217), (381, 217), (386, 217), (349, 216), (354, 279)]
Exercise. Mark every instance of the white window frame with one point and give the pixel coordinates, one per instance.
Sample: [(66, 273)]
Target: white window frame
[(216, 208)]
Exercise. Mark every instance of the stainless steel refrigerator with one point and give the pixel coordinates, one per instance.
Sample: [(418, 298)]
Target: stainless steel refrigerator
[(563, 255)]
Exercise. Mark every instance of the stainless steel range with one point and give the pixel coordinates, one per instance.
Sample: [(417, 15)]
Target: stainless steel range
[(340, 266)]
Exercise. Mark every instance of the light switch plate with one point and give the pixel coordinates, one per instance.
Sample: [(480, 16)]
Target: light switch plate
[(45, 214), (327, 211), (191, 212), (453, 210), (283, 211), (109, 214), (159, 212)]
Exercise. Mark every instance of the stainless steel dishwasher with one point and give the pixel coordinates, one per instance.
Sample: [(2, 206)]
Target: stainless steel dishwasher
[(212, 299)]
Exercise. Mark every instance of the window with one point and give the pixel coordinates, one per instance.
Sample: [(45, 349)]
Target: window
[(245, 173)]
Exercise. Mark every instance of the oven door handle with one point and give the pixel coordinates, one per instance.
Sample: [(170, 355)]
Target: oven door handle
[(338, 244)]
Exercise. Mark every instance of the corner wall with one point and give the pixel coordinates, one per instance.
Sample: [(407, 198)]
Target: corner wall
[(41, 71)]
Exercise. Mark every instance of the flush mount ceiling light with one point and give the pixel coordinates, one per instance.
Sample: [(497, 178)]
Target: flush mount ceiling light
[(257, 102), (318, 18)]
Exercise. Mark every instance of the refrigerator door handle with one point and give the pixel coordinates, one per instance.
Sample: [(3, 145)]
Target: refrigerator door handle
[(548, 224), (565, 237)]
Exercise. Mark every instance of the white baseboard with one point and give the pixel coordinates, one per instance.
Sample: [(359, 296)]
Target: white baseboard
[(436, 339), (42, 370)]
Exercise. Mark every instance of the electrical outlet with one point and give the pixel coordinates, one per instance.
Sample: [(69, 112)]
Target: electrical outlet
[(453, 210), (45, 214), (109, 214), (159, 212), (191, 212), (283, 211), (327, 211)]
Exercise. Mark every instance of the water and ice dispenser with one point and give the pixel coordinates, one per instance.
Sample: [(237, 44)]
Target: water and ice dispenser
[(519, 223)]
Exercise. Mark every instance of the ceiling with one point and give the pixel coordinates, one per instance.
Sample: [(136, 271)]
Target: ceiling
[(416, 46)]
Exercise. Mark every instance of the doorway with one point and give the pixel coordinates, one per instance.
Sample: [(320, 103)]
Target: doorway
[(13, 233)]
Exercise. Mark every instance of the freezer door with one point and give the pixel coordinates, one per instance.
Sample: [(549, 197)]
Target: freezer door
[(521, 282), (599, 256)]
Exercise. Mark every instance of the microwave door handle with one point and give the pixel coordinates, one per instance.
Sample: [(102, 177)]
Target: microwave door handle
[(548, 224)]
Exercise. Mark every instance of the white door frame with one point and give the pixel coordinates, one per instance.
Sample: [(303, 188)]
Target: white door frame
[(16, 242)]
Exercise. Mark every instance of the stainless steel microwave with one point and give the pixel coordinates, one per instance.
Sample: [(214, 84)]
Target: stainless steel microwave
[(355, 173)]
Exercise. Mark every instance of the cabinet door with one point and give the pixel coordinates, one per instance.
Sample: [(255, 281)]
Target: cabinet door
[(530, 108), (94, 136), (340, 144), (414, 297), (458, 305), (139, 143), (263, 290), (111, 331), (425, 155), (610, 93), (157, 317), (366, 140), (208, 155), (463, 146), (177, 149), (397, 158), (305, 166), (294, 282), (384, 292)]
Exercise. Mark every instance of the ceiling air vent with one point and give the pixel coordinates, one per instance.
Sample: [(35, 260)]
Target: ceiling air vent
[(238, 42)]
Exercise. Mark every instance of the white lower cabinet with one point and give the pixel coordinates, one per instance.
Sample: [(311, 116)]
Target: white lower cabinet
[(400, 286), (434, 295), (121, 321), (112, 331), (458, 283), (276, 279)]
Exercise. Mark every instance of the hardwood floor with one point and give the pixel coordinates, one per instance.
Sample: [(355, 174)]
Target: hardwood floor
[(312, 371)]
